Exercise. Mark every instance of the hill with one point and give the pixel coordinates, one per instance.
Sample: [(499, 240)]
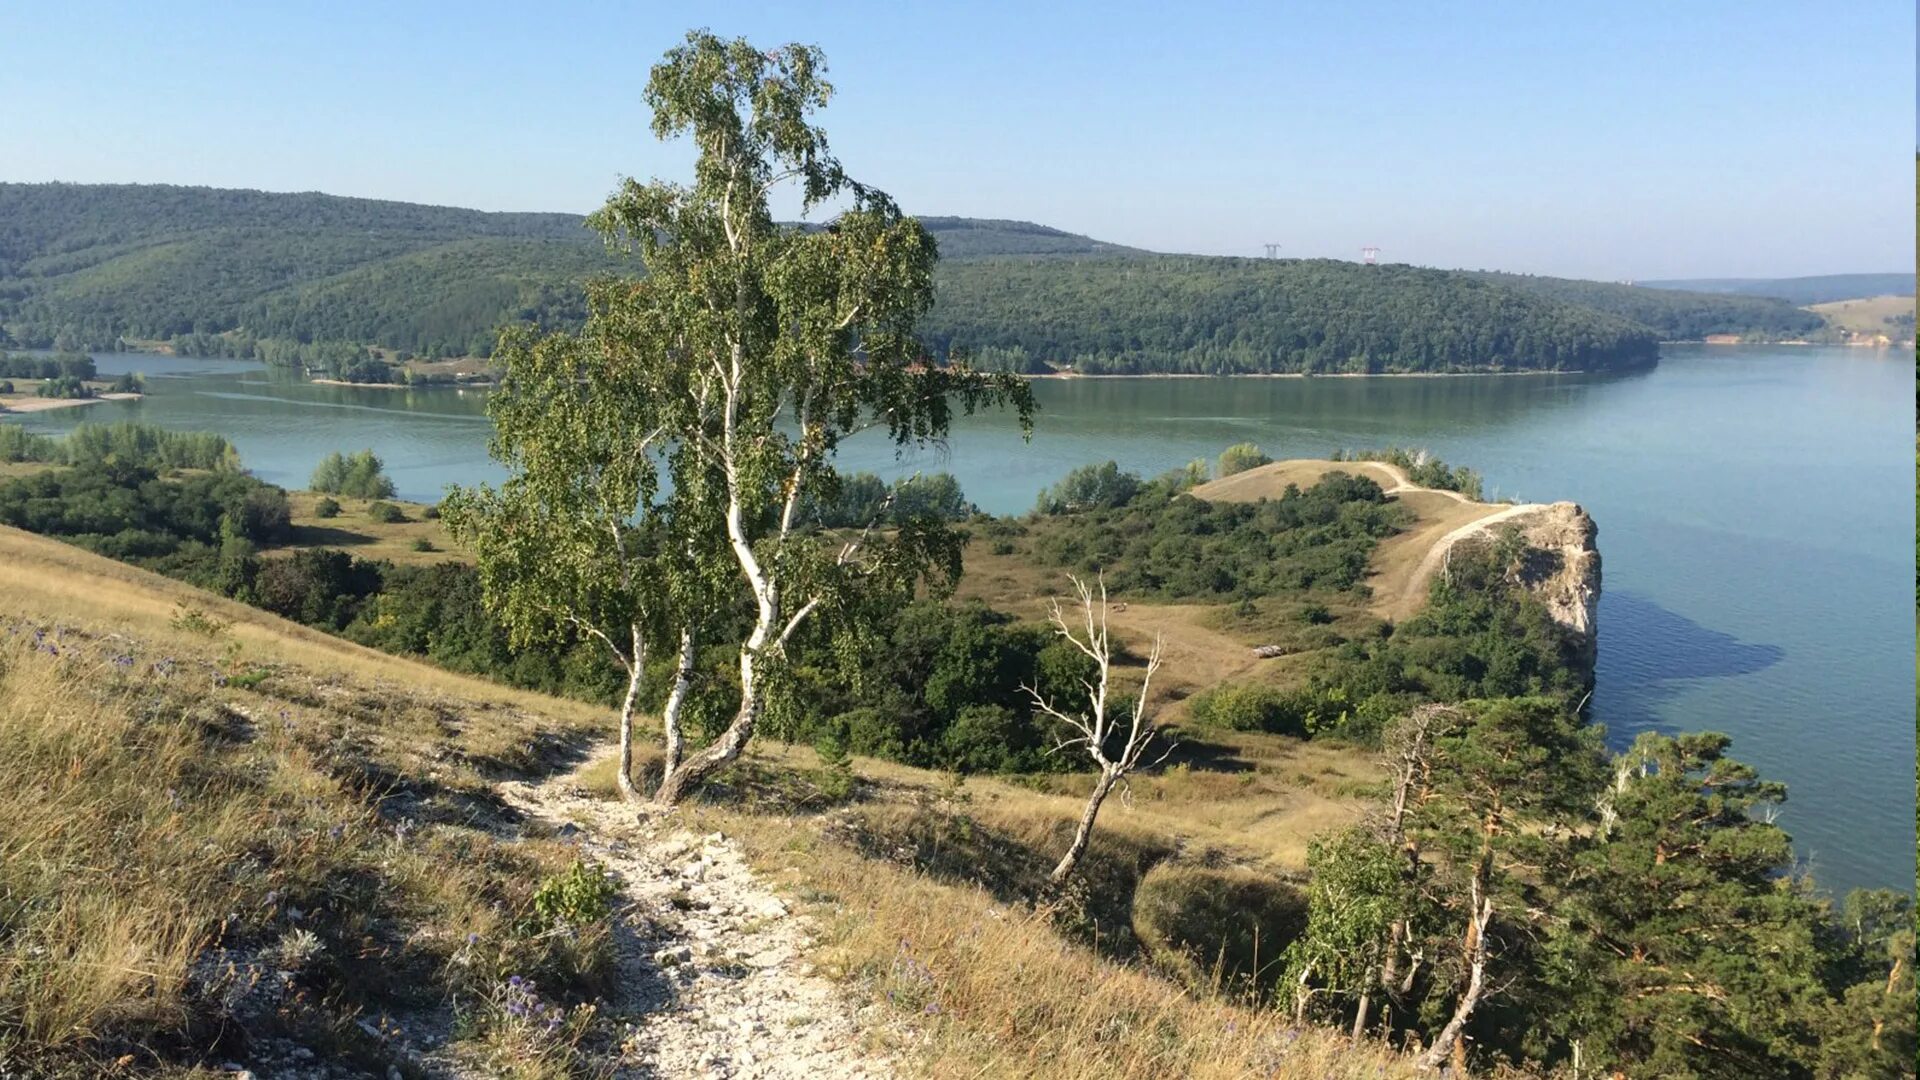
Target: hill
[(1225, 316), (304, 851), (1805, 291), (1673, 314), (90, 265), (1871, 318)]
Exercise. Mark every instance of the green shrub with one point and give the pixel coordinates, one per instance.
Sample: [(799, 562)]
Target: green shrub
[(583, 894), (326, 508), (1176, 548), (1421, 468), (1224, 930), (66, 386), (872, 733), (149, 446), (423, 544), (1240, 457), (1188, 476), (386, 513), (359, 474), (985, 738), (1248, 707), (1090, 487), (19, 444), (192, 620), (836, 766)]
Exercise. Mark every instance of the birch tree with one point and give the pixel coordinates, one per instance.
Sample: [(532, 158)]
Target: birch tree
[(1117, 744), (574, 542), (733, 370)]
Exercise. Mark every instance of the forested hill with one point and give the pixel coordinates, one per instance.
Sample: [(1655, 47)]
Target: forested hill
[(87, 265), (1818, 289), (1220, 316), (1676, 315)]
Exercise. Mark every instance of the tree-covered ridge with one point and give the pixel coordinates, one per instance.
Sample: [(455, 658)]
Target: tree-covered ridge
[(1674, 314), (88, 265), (101, 262), (1818, 289), (985, 238), (1233, 316)]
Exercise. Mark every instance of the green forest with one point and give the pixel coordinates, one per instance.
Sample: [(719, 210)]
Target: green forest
[(312, 280), (1675, 314)]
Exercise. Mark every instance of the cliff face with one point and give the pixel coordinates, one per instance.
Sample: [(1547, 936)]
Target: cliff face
[(1560, 565), (1562, 569)]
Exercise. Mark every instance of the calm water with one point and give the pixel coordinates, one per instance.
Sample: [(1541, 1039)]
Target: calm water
[(1755, 509)]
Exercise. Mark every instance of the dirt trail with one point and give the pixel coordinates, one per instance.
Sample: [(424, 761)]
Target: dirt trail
[(713, 966), (1414, 590), (1403, 563)]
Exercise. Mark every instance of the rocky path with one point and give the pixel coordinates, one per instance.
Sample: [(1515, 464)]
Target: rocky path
[(713, 964)]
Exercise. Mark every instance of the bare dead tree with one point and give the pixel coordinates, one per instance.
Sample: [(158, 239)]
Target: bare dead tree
[(1409, 760), (1092, 727)]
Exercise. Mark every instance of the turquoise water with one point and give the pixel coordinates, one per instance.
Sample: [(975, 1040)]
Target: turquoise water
[(1755, 508)]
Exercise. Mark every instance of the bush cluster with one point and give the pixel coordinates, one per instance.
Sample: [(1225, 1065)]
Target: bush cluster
[(360, 475)]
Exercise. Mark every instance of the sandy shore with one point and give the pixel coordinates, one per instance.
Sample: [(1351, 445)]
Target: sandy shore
[(27, 403)]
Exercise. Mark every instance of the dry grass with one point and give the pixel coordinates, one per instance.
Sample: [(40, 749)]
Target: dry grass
[(356, 533), (923, 889), (987, 986), (1868, 316), (209, 837), (56, 581)]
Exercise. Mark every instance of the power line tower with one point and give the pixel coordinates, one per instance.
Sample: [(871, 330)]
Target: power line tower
[(1370, 255), (1273, 251)]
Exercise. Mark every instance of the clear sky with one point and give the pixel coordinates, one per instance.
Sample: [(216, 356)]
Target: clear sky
[(1612, 140)]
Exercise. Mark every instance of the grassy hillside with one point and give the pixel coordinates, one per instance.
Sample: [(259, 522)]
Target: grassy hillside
[(284, 835), (1871, 317)]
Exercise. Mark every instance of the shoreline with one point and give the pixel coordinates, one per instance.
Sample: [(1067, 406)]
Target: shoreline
[(1328, 375), (487, 384), (40, 404)]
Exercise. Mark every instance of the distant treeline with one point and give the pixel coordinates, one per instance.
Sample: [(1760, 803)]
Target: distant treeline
[(1676, 315), (100, 444), (310, 280), (1253, 316), (66, 365)]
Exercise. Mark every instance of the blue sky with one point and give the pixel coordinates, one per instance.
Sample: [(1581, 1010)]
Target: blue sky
[(1612, 140)]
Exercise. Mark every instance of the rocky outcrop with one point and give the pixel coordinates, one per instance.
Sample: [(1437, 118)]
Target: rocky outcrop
[(1561, 566)]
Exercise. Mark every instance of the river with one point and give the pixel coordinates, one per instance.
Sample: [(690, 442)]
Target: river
[(1755, 507)]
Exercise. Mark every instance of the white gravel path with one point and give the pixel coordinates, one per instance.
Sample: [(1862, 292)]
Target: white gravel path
[(712, 962)]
